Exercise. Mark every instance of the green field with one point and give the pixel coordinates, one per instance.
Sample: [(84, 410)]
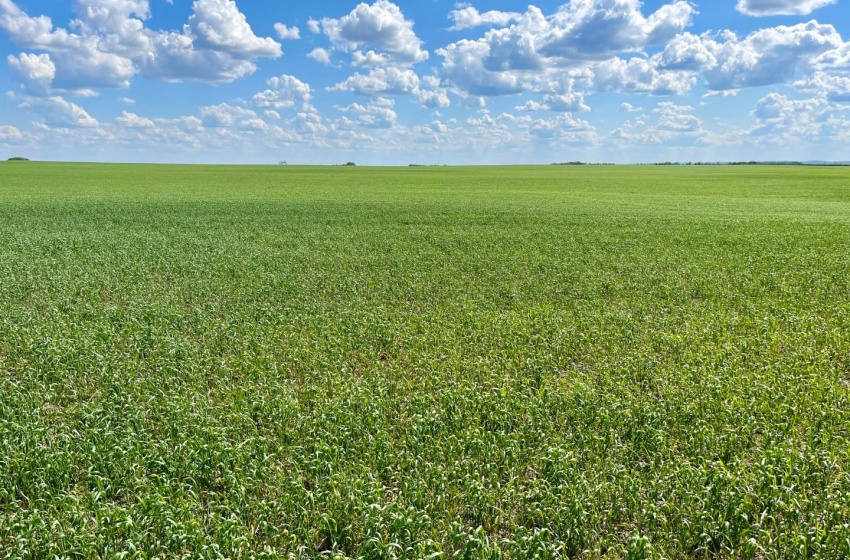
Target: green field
[(516, 362)]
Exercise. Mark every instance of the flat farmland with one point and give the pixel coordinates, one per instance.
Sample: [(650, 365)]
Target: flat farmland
[(429, 362)]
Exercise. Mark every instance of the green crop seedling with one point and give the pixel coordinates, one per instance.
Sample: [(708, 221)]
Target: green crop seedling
[(425, 362)]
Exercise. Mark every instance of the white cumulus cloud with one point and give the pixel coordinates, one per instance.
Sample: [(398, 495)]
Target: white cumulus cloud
[(132, 120), (640, 75), (34, 72), (218, 25), (780, 7), (225, 115), (81, 61), (108, 44), (579, 34), (382, 26), (377, 114), (320, 55), (287, 33), (58, 111), (780, 119), (563, 129), (465, 16), (381, 81), (284, 92), (835, 87), (8, 132), (668, 124), (561, 103), (768, 56), (434, 99)]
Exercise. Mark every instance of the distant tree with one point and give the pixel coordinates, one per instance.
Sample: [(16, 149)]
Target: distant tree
[(18, 158), (282, 162), (351, 163)]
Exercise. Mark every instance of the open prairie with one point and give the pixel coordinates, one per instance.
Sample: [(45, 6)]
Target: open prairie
[(491, 362)]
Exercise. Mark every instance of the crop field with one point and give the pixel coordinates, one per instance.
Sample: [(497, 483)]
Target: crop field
[(498, 362)]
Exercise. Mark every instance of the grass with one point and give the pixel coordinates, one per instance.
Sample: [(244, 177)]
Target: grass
[(273, 362)]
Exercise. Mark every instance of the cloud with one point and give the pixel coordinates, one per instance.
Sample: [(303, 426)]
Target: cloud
[(217, 45), (669, 123), (463, 67), (79, 61), (597, 29), (780, 119), (561, 103), (767, 56), (118, 24), (434, 99), (835, 60), (34, 72), (218, 25), (284, 92), (287, 33), (253, 124), (434, 96), (58, 111), (775, 106), (760, 8), (381, 25), (485, 120), (629, 108), (187, 123), (127, 101), (225, 115), (381, 81), (465, 16), (111, 45), (8, 132), (175, 59), (370, 59), (640, 75), (773, 55), (566, 103), (689, 52), (530, 106), (564, 129), (577, 36), (674, 117), (377, 114), (132, 120), (320, 55), (836, 88)]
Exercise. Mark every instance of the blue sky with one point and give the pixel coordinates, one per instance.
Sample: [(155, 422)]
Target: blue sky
[(428, 82)]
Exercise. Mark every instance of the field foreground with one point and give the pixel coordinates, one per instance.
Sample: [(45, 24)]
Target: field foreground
[(583, 362)]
